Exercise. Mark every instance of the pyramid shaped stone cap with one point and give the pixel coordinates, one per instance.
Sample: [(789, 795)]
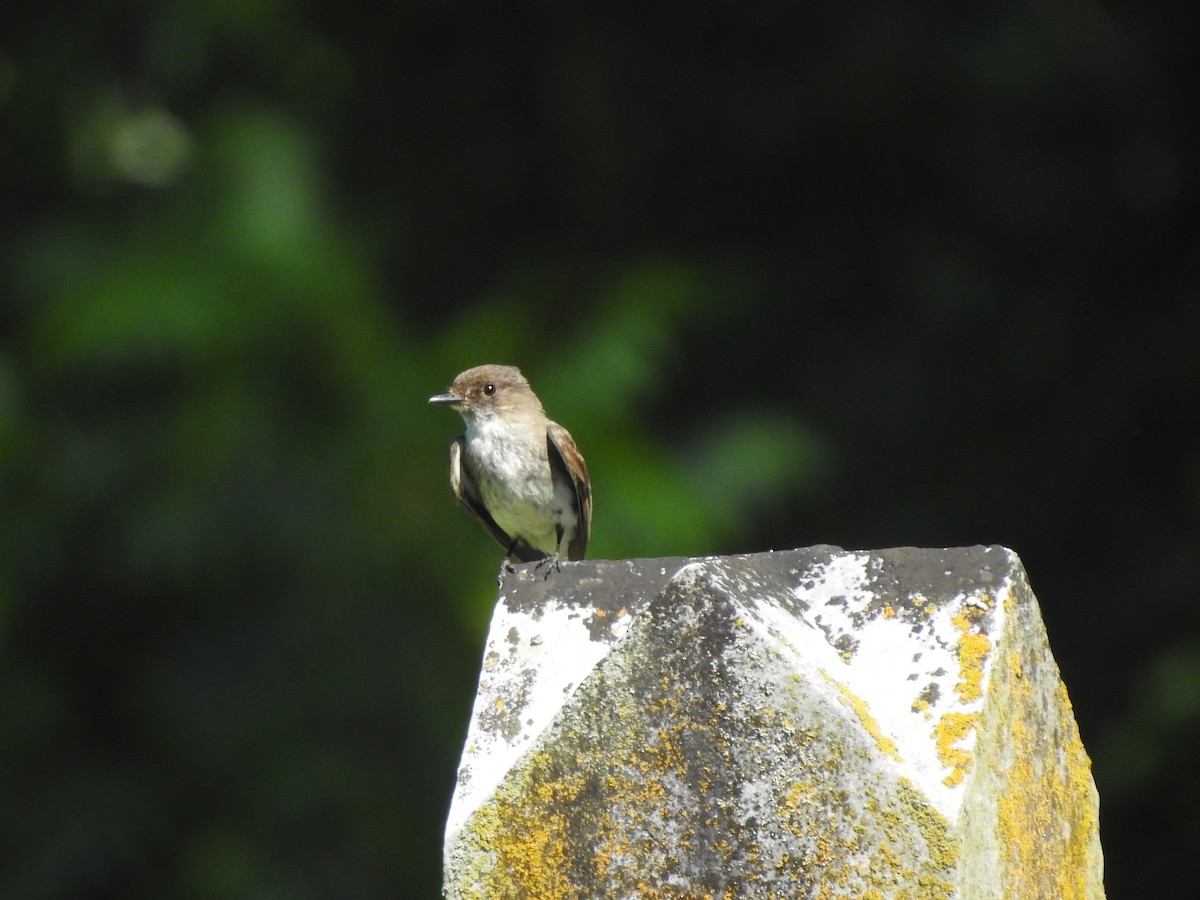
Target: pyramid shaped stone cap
[(809, 723)]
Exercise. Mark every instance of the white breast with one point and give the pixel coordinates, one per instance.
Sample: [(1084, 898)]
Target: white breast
[(512, 469)]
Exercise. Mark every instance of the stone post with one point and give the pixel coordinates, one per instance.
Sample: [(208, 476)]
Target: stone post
[(811, 723)]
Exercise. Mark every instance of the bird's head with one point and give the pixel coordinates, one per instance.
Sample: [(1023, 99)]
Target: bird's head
[(490, 391)]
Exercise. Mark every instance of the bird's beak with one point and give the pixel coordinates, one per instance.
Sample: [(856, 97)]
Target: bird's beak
[(447, 399)]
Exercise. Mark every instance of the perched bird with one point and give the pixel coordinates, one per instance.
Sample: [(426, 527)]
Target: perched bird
[(516, 471)]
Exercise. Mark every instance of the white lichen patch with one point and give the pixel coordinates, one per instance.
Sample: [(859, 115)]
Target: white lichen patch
[(916, 673), (532, 663)]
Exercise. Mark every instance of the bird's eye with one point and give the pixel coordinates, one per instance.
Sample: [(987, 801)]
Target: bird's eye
[(489, 389)]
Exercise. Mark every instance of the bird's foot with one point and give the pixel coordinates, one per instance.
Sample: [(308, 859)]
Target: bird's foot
[(550, 562)]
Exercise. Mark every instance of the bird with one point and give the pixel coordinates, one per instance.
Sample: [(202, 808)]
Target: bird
[(517, 471)]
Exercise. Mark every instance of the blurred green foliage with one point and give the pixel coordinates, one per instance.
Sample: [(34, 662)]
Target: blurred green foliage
[(790, 274)]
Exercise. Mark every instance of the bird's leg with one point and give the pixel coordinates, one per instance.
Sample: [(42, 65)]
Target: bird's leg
[(553, 558), (505, 565)]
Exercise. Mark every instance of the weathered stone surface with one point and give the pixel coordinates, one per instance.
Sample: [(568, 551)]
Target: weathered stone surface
[(810, 723)]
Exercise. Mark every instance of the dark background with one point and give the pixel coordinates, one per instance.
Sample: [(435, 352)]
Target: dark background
[(791, 273)]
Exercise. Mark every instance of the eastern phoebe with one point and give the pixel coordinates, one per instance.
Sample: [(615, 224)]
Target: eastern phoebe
[(516, 471)]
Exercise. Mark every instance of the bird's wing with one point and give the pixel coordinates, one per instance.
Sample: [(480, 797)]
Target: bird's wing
[(567, 463), (466, 491)]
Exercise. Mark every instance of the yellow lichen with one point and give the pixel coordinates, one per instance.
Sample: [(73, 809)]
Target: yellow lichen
[(940, 843), (950, 729), (885, 744), (1046, 817), (972, 649), (527, 836)]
